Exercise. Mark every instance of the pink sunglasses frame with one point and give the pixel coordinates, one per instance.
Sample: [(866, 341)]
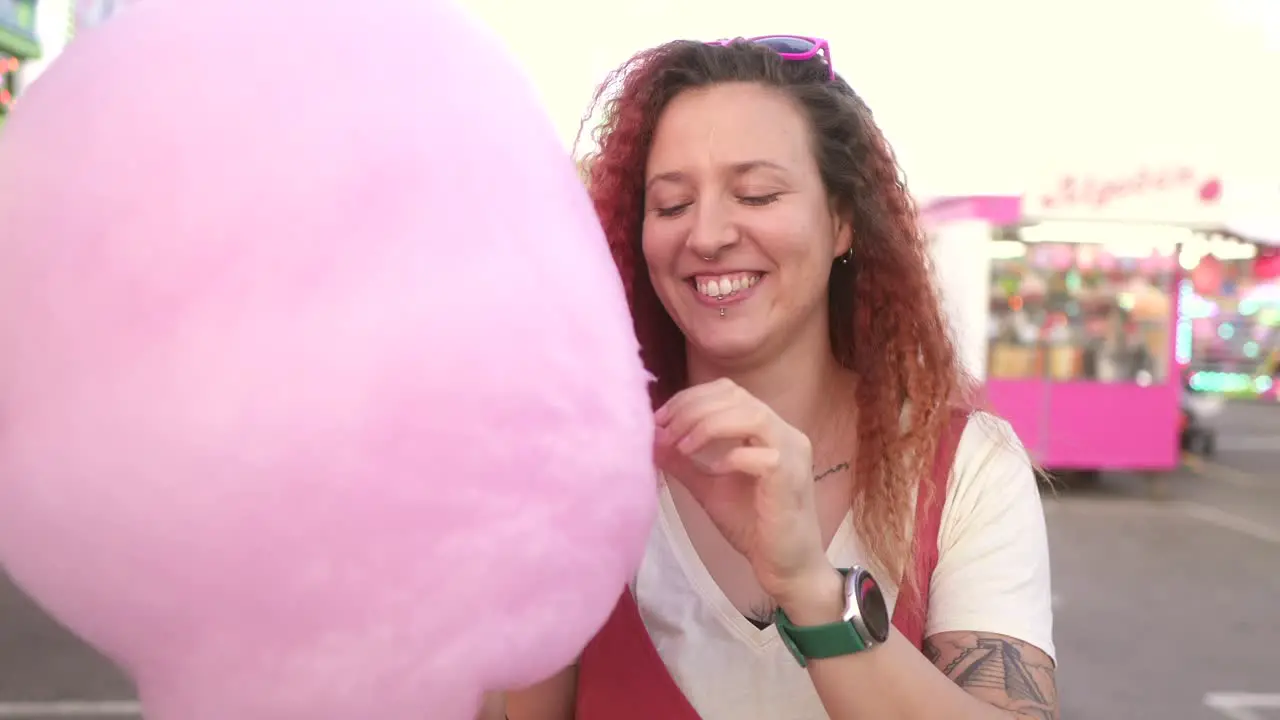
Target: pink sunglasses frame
[(818, 46)]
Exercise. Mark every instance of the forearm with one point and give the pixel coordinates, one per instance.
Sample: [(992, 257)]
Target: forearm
[(906, 687), (551, 699), (893, 681), (492, 708)]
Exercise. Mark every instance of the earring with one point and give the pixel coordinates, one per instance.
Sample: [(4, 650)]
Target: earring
[(846, 257)]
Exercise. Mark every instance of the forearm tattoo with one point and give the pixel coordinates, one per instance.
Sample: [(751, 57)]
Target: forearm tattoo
[(1007, 673)]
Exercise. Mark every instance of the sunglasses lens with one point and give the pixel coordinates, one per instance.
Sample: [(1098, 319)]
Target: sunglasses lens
[(791, 47), (787, 45)]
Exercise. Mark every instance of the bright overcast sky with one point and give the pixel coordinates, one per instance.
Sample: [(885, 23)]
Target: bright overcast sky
[(976, 95)]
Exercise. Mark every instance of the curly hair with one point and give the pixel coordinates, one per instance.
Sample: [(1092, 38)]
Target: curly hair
[(887, 325)]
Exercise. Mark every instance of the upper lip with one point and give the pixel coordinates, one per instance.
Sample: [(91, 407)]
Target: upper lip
[(709, 273)]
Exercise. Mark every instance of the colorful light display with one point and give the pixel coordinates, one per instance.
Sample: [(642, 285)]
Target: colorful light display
[(9, 67)]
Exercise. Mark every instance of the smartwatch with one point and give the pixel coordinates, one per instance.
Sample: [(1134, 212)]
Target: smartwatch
[(864, 625)]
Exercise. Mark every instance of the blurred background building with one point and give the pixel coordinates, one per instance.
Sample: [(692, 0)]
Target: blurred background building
[(32, 34), (19, 45)]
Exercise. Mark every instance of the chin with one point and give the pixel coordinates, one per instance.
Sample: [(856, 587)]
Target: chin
[(726, 345)]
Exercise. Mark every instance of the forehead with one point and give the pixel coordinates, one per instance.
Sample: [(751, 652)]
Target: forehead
[(727, 124)]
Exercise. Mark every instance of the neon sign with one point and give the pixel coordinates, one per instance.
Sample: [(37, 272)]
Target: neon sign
[(1086, 191)]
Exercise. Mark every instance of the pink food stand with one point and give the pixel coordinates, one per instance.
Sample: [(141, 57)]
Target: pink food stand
[(1065, 303)]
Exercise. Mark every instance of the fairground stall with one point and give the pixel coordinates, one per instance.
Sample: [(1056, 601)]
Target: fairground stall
[(1076, 304)]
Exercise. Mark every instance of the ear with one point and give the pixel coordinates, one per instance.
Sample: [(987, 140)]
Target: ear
[(843, 224)]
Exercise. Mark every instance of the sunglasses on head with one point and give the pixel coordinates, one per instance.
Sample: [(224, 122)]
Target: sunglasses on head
[(792, 47)]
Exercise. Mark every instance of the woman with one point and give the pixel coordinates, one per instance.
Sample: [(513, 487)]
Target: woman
[(805, 386)]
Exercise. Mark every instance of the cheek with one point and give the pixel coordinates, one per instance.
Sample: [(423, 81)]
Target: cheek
[(796, 242), (659, 246), (801, 249)]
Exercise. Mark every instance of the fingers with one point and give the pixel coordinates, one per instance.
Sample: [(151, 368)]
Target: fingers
[(717, 410), (669, 459), (732, 425), (716, 436), (758, 462), (690, 416), (681, 401), (708, 427)]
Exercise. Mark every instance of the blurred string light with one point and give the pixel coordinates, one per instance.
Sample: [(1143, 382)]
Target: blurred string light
[(1188, 302), (1007, 249), (1130, 240), (1073, 280), (1262, 300), (1223, 247), (1192, 306), (1230, 383), (1134, 240)]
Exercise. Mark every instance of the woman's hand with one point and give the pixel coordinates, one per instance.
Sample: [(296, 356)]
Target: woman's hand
[(753, 474)]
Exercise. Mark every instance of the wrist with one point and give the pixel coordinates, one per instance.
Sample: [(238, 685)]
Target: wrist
[(816, 598)]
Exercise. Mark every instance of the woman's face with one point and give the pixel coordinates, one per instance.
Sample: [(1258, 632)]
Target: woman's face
[(737, 219)]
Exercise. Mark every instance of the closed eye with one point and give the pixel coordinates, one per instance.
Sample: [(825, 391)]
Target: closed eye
[(759, 200), (671, 211)]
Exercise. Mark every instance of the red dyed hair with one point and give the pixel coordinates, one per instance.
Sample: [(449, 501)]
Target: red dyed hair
[(886, 322)]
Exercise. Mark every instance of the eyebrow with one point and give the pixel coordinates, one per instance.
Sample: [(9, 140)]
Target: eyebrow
[(736, 169)]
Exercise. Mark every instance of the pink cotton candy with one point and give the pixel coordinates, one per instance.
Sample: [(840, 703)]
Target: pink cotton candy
[(319, 397)]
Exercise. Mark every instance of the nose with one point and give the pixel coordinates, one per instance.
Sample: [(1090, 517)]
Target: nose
[(713, 230)]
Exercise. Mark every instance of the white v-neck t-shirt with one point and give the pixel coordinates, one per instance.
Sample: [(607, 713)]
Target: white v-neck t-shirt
[(992, 576)]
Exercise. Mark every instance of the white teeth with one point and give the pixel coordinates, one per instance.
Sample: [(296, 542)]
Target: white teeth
[(726, 285)]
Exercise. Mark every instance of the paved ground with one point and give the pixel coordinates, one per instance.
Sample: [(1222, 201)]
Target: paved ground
[(1171, 609), (1165, 609)]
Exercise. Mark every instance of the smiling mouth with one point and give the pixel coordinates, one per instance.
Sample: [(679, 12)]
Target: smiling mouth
[(724, 287)]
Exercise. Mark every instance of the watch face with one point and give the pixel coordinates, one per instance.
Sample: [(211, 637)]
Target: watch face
[(875, 616)]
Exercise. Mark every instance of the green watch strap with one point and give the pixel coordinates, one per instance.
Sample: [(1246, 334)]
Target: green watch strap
[(818, 641)]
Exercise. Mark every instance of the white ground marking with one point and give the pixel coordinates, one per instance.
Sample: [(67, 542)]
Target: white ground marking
[(1217, 472), (1249, 443), (1176, 509), (1231, 521), (1243, 706)]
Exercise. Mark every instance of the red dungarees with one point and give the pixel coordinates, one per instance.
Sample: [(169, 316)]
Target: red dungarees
[(621, 676)]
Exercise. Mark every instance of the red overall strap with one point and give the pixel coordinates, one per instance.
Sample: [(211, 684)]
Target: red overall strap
[(910, 613), (622, 677)]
